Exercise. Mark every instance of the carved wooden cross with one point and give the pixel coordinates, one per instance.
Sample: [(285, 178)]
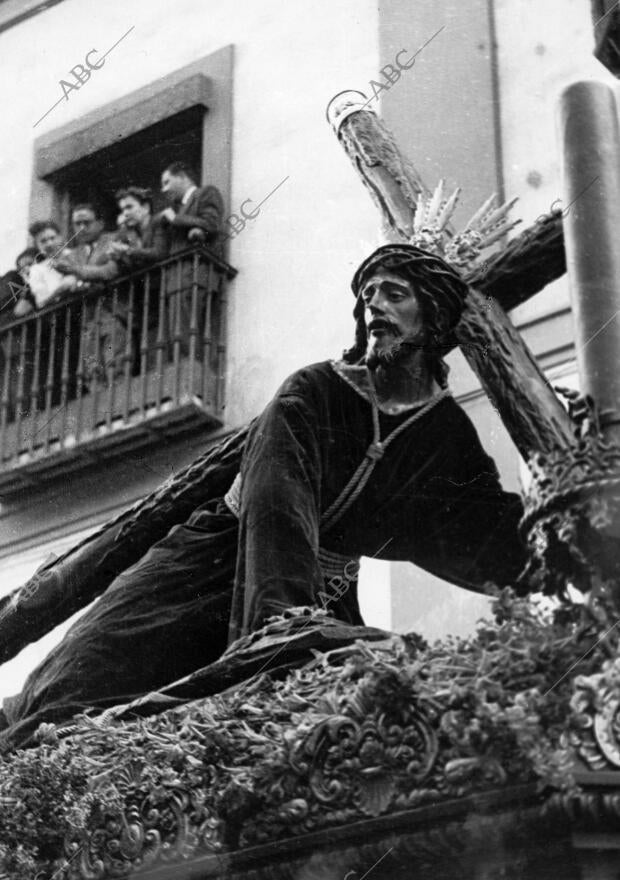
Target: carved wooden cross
[(508, 372), (572, 517)]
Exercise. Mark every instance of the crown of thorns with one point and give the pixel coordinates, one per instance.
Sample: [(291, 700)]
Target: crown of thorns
[(433, 277)]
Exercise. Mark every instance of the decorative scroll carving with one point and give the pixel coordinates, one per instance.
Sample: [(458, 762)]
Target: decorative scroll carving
[(361, 763), (364, 732), (595, 731), (161, 827), (574, 496)]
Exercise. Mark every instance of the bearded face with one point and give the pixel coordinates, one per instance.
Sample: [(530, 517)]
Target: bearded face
[(388, 355), (393, 318)]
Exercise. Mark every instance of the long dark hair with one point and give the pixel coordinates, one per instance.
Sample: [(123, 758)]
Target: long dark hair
[(441, 293)]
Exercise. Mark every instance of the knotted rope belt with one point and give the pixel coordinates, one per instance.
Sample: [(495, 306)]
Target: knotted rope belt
[(355, 486), (373, 454)]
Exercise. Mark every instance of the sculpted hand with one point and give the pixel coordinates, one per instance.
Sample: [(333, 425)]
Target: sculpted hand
[(168, 214)]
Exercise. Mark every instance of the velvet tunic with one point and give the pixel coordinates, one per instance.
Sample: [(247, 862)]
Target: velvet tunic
[(434, 498)]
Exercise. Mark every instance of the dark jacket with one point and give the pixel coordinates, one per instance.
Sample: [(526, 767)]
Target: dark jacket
[(204, 210), (148, 245), (93, 259)]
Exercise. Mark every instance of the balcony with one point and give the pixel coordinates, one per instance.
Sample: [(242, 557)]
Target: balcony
[(115, 368)]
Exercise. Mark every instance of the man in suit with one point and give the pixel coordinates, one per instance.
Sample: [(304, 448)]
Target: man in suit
[(195, 213), (193, 218), (92, 266), (141, 241), (88, 258)]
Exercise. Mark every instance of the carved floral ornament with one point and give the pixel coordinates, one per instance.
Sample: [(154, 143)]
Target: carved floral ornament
[(595, 731), (593, 736), (367, 730), (573, 499)]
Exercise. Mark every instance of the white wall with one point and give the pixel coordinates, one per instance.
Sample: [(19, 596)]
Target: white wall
[(290, 304), (542, 48)]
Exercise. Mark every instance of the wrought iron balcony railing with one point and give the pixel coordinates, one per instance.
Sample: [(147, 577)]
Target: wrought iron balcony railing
[(112, 367)]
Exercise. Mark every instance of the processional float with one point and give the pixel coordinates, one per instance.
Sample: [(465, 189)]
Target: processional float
[(359, 781)]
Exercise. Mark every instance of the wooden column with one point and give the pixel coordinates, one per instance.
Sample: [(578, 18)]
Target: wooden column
[(508, 372)]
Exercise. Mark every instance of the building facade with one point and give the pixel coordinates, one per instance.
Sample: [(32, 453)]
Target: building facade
[(96, 96)]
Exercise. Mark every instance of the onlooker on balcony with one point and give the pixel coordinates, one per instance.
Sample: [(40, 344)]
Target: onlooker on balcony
[(194, 218), (89, 258), (90, 261), (16, 353), (16, 299), (46, 282), (48, 286), (140, 240), (195, 214)]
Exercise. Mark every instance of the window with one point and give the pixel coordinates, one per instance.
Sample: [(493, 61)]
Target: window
[(111, 363), (136, 160), (185, 116)]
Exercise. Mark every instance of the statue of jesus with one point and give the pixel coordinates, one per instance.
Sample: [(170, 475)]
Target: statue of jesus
[(364, 456)]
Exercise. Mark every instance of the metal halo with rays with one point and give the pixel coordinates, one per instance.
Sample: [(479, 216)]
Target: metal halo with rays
[(461, 249)]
